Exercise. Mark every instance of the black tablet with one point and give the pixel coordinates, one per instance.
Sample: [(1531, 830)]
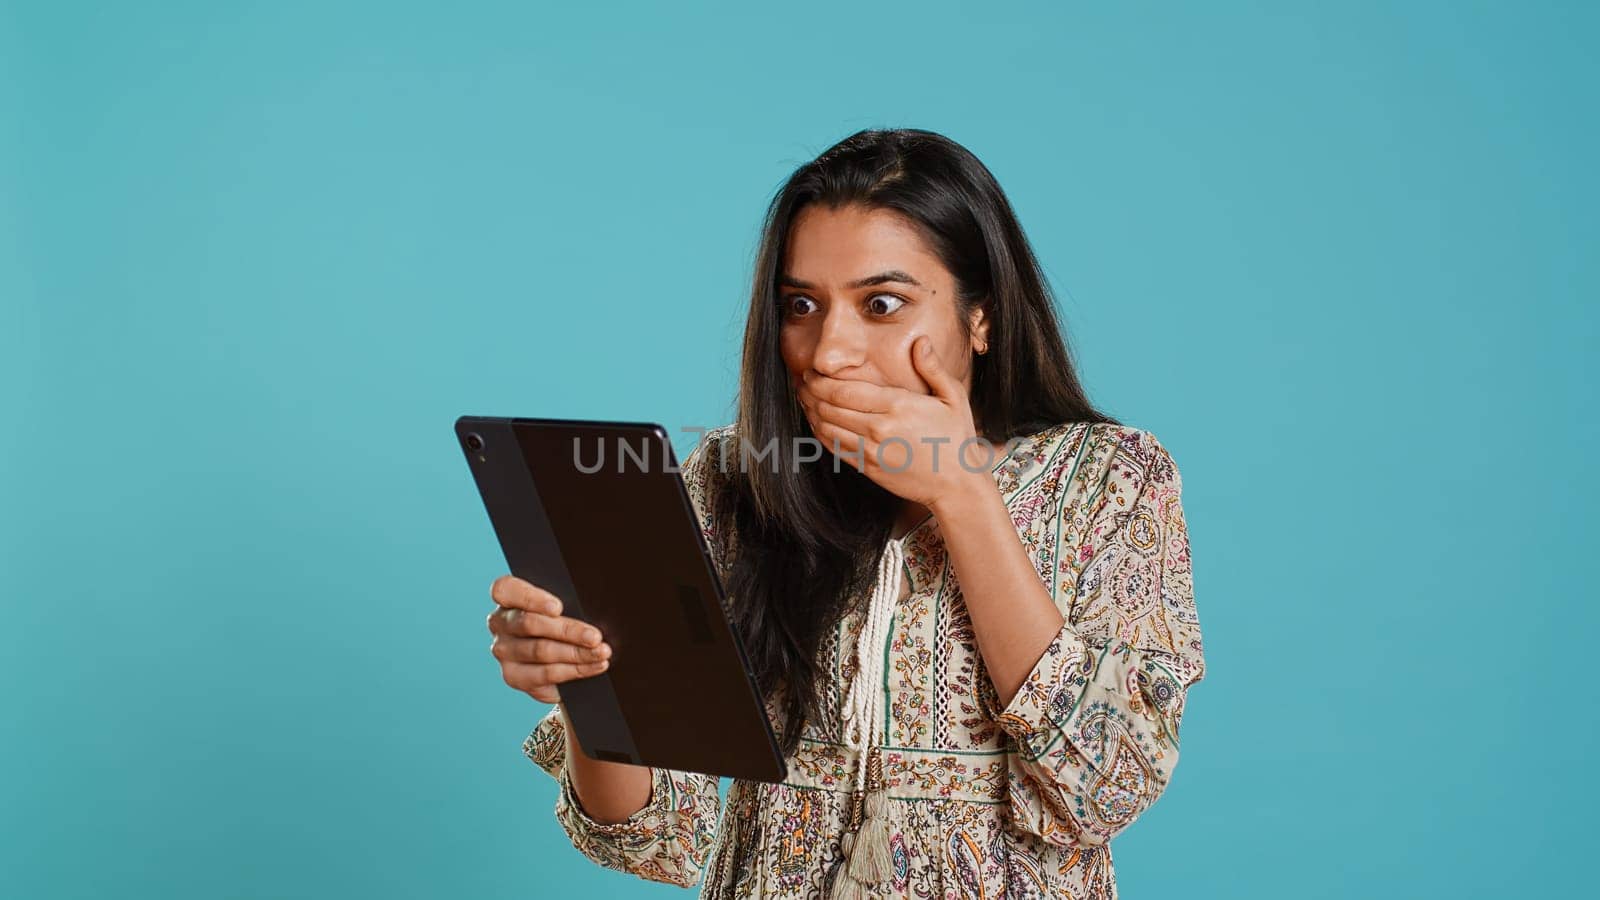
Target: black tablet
[(597, 514)]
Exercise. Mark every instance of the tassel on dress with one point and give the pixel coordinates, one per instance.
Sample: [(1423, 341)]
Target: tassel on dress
[(731, 821), (868, 856)]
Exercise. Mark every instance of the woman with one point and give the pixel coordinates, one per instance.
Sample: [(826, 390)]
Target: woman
[(976, 663)]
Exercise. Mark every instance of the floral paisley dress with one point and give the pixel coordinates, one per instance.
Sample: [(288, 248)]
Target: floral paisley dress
[(984, 801)]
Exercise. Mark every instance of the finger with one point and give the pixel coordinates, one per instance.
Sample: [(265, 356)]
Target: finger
[(853, 421), (805, 396), (863, 396), (509, 590), (510, 620), (514, 622), (530, 676), (546, 694), (545, 650), (844, 444), (560, 628), (928, 364)]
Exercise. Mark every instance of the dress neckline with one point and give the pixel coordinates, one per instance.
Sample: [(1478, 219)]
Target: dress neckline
[(994, 470), (917, 558)]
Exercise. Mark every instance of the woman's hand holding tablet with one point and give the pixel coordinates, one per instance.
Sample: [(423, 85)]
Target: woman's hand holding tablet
[(537, 646)]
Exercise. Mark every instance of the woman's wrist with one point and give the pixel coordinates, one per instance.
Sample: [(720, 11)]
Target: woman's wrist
[(971, 492)]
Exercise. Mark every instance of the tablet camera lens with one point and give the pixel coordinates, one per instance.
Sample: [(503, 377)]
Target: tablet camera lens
[(474, 443)]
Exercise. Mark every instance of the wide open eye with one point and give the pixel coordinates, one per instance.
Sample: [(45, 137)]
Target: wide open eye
[(787, 306), (877, 303)]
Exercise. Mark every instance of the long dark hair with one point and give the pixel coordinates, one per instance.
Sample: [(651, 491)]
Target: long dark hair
[(808, 536)]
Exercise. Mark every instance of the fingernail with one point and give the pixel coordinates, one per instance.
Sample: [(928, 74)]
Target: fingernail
[(604, 650), (591, 636)]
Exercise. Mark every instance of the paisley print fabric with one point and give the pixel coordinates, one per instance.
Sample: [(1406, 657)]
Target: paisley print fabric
[(985, 800)]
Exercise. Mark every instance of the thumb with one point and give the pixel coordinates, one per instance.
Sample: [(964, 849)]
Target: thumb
[(932, 370)]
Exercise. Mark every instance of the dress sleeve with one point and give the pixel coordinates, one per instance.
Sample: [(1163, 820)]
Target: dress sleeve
[(1096, 720), (668, 840), (671, 837)]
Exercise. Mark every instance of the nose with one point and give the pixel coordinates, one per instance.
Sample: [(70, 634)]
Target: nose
[(842, 343)]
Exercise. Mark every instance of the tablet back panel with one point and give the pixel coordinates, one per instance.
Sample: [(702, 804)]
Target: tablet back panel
[(597, 514)]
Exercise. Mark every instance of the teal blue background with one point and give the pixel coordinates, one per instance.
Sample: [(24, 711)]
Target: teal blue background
[(255, 259)]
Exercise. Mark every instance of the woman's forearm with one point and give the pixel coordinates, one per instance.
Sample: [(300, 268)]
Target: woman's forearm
[(1013, 616), (609, 792)]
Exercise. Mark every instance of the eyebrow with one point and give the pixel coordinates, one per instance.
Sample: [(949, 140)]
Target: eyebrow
[(880, 278)]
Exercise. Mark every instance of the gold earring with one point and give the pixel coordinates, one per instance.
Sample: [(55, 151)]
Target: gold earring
[(984, 349)]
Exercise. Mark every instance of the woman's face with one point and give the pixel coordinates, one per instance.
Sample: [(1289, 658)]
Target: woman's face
[(857, 287)]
